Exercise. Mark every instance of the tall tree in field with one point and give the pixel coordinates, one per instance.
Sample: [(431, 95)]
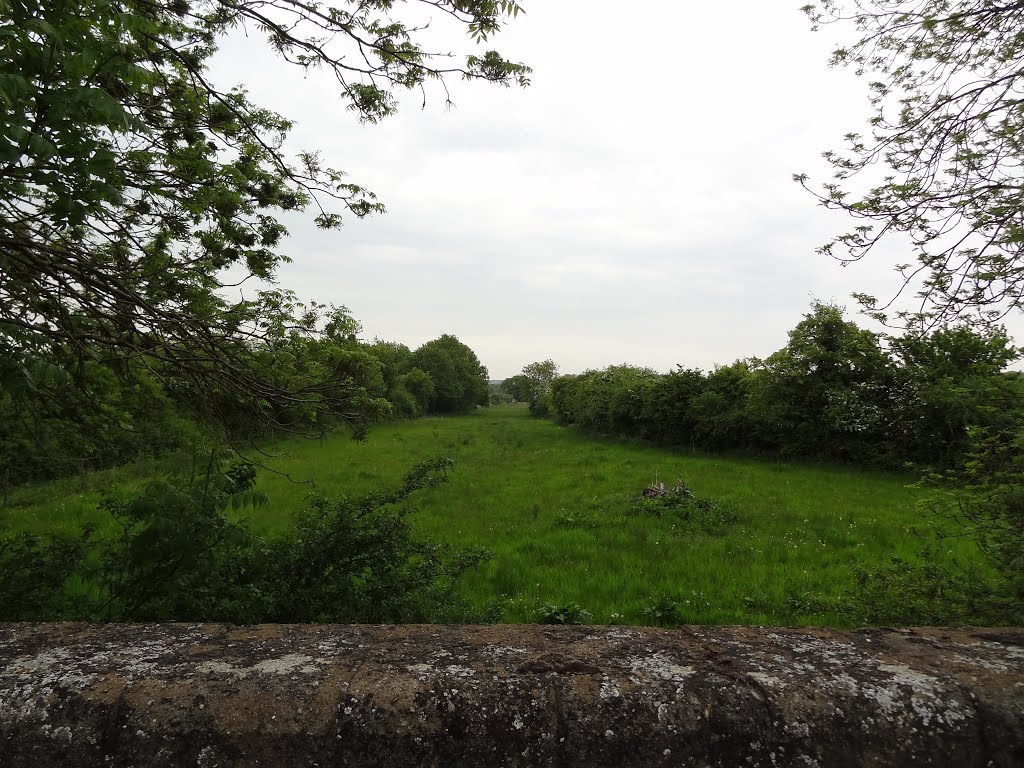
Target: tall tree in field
[(460, 381), (533, 386), (519, 387), (130, 181), (942, 162), (826, 390), (541, 373)]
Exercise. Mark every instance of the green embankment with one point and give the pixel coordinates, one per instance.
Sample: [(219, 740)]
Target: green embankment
[(553, 508)]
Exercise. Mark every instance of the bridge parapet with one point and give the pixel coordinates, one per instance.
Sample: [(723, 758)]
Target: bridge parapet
[(499, 695)]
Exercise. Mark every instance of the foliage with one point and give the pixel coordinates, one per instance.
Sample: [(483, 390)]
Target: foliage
[(177, 553), (112, 413), (540, 375), (496, 395), (132, 185), (460, 381), (984, 499), (33, 572), (417, 385), (721, 419), (945, 92), (609, 401), (826, 393), (664, 612), (311, 351), (358, 560), (932, 591), (393, 358), (835, 392), (518, 387), (533, 386), (668, 412), (563, 613), (55, 428), (950, 381)]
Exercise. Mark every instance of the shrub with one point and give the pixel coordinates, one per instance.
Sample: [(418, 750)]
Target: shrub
[(984, 500), (664, 612), (33, 573), (565, 613), (933, 592), (178, 556), (689, 511), (357, 560)]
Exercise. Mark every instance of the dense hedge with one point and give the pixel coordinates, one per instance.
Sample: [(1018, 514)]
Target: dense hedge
[(69, 416), (835, 392)]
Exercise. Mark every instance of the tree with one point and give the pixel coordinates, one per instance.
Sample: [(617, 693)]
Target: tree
[(825, 391), (533, 386), (460, 381), (947, 91), (129, 181), (952, 383), (541, 374), (393, 358), (414, 391), (948, 127), (519, 387)]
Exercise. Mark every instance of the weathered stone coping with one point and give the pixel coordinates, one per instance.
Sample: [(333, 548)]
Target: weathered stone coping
[(213, 695)]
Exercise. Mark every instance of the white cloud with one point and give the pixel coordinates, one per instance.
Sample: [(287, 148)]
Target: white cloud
[(634, 204)]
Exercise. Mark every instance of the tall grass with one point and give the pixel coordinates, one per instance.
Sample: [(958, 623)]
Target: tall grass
[(556, 510)]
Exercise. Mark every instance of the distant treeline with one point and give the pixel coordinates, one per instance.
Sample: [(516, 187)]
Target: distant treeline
[(835, 392), (66, 413)]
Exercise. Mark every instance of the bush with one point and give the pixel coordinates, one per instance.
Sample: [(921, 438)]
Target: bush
[(689, 511), (33, 572), (178, 556), (664, 612), (934, 592), (357, 560), (566, 613)]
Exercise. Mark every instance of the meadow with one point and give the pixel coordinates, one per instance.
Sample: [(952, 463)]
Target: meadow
[(557, 510)]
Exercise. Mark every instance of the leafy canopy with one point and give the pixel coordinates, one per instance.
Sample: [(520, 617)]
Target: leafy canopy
[(947, 93), (130, 181), (459, 380)]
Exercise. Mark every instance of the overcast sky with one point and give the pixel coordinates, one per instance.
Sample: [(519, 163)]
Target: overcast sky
[(634, 204)]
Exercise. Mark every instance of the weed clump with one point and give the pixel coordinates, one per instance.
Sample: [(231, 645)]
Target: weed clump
[(565, 613), (663, 612), (687, 510)]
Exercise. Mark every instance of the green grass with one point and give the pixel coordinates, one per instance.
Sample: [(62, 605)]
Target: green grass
[(552, 506)]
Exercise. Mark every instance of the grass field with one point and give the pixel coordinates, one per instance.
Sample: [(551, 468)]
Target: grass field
[(553, 508)]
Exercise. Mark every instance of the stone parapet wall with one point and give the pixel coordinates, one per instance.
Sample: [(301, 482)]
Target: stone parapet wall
[(283, 695)]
